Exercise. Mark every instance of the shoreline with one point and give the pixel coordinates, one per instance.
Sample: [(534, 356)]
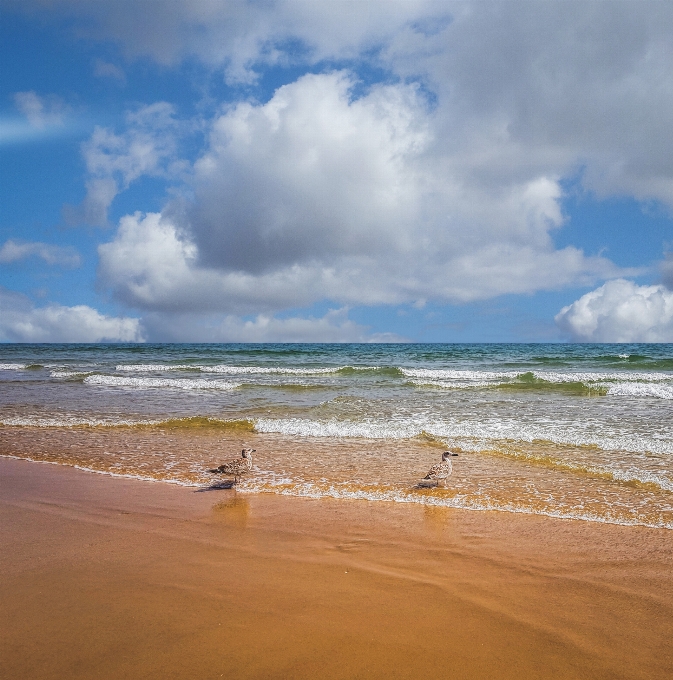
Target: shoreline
[(118, 577), (423, 503)]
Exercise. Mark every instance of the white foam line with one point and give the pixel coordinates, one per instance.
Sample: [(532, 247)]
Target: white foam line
[(148, 368), (12, 367), (451, 384), (268, 370), (84, 468), (639, 390), (471, 376), (144, 383), (663, 483), (309, 490), (483, 432), (72, 421), (68, 374), (226, 370)]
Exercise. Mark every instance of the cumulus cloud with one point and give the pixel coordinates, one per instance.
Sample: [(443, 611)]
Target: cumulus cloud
[(579, 88), (114, 161), (620, 311), (317, 195), (13, 251), (20, 321), (523, 88)]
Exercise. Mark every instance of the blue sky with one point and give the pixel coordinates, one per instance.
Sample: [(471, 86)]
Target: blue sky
[(343, 171)]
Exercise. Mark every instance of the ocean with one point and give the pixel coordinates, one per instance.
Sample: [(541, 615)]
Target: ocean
[(564, 430)]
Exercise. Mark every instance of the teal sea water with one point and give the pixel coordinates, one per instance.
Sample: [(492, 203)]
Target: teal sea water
[(581, 431)]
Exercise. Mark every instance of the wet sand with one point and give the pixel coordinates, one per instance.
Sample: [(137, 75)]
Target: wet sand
[(116, 578)]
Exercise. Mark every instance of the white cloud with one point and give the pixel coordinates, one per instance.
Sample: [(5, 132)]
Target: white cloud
[(385, 198), (13, 251), (620, 311), (524, 89), (236, 35), (314, 196), (147, 147), (41, 111), (20, 321)]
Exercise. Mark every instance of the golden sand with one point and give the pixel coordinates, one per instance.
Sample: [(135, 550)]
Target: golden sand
[(117, 578)]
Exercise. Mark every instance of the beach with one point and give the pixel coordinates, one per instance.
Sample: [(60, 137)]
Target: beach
[(120, 578)]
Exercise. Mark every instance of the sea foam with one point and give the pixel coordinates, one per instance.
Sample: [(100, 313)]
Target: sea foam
[(474, 435), (174, 383), (227, 369)]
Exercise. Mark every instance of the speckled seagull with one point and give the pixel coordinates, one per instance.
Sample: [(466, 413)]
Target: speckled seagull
[(237, 467), (439, 472)]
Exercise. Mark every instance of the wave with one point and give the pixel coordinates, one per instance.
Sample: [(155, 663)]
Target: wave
[(227, 370), (73, 421), (69, 374), (386, 371), (149, 368), (477, 436), (147, 383), (469, 376), (537, 384), (639, 390), (268, 370), (200, 422), (615, 360), (472, 435), (631, 476), (635, 384), (466, 376), (13, 367), (68, 421)]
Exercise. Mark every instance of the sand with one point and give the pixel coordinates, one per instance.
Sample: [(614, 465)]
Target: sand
[(116, 578)]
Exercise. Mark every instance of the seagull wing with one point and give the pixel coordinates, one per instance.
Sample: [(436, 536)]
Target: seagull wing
[(434, 471), (439, 471)]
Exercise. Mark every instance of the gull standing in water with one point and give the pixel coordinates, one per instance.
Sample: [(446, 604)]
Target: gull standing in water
[(439, 472), (237, 467)]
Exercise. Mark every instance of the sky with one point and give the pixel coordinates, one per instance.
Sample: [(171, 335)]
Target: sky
[(336, 171)]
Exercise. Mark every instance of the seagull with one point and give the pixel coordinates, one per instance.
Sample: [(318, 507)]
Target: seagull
[(439, 472), (237, 467)]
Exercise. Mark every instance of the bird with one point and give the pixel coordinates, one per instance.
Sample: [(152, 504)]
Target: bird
[(439, 472), (237, 466)]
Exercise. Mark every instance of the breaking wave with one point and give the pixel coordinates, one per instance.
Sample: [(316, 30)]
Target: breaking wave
[(474, 435), (147, 383), (72, 421), (226, 370)]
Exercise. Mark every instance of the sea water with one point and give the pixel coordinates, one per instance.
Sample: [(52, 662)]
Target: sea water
[(576, 431)]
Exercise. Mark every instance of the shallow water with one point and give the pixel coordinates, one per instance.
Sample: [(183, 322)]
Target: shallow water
[(582, 431)]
